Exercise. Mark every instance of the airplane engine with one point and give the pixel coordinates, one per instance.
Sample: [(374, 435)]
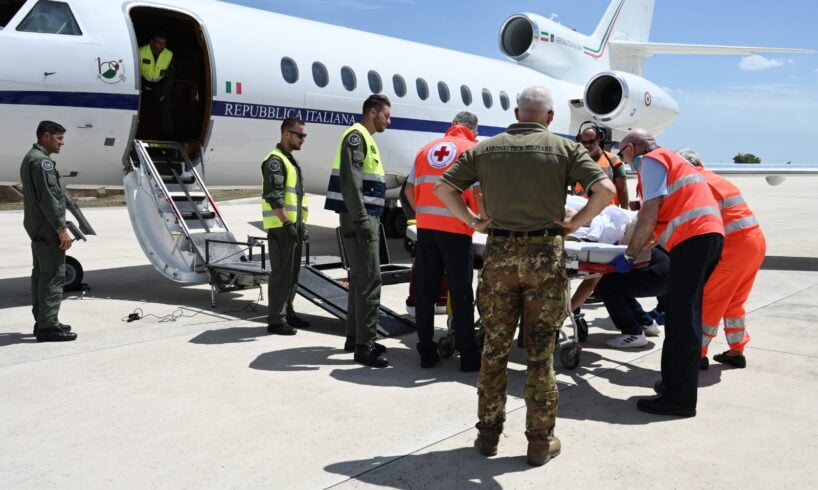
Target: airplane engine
[(622, 101), (519, 36)]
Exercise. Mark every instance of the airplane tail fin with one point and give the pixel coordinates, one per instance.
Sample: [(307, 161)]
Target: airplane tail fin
[(627, 20)]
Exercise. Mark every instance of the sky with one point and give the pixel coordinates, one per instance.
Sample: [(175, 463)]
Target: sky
[(763, 104)]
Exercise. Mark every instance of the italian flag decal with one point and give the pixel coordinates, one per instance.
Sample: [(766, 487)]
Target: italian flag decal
[(229, 87)]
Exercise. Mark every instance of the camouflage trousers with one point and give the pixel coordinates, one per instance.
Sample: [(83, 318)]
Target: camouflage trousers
[(521, 277)]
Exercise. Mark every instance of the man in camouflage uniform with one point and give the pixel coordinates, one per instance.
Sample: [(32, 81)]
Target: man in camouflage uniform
[(524, 174), (44, 221)]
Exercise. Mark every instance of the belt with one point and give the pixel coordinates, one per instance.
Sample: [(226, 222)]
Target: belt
[(497, 232)]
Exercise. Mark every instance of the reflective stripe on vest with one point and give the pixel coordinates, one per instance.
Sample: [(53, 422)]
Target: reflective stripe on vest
[(431, 162), (374, 177), (689, 209), (269, 218), (152, 69), (735, 213)]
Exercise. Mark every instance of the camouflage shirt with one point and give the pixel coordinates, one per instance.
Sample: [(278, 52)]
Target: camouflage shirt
[(524, 174)]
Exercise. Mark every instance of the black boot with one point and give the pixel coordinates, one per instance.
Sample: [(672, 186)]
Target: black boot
[(349, 346), (428, 355), (470, 361), (368, 355), (54, 334)]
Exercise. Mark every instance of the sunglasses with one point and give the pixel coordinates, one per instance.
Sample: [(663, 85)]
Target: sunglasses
[(300, 135), (622, 150), (587, 142)]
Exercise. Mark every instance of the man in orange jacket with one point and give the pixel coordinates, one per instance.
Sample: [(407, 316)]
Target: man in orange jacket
[(680, 213), (731, 282), (444, 244)]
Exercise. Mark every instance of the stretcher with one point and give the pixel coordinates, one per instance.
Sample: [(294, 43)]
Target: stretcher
[(583, 260)]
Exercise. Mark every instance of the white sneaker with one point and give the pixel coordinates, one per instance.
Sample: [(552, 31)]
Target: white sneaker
[(627, 341), (440, 310), (652, 330)]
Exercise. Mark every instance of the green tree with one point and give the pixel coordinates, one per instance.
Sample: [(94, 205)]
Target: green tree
[(746, 158)]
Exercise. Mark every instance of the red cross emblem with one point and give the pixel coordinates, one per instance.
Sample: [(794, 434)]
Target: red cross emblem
[(442, 154)]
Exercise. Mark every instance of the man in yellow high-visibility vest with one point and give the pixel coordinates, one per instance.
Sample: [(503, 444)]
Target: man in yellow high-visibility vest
[(158, 78), (284, 212)]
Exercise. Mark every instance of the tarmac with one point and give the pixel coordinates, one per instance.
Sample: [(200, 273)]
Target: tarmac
[(191, 396)]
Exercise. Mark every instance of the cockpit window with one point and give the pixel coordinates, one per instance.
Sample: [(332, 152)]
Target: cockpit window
[(8, 8), (49, 17)]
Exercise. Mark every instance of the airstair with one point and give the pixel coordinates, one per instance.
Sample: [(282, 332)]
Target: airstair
[(175, 219)]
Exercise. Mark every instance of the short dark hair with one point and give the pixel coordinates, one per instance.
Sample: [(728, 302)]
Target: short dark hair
[(377, 102), (162, 34), (49, 127), (290, 123)]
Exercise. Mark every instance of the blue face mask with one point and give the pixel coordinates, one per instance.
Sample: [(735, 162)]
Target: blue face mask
[(636, 162)]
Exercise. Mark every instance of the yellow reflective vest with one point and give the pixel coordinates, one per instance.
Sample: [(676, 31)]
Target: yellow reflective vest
[(374, 181), (153, 70), (268, 216)]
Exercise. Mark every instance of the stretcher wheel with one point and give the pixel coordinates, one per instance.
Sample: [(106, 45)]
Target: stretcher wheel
[(569, 355), (445, 347), (582, 327)]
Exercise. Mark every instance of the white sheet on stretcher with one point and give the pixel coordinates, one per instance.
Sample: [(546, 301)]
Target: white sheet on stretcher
[(589, 252)]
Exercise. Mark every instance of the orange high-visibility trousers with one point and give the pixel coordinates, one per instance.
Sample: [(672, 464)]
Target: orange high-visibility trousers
[(729, 286)]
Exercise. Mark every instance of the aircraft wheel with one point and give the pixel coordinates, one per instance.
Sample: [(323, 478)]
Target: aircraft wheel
[(395, 223), (73, 274)]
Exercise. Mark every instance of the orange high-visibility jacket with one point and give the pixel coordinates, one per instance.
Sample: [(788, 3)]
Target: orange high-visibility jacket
[(432, 161), (735, 213), (606, 161), (689, 208)]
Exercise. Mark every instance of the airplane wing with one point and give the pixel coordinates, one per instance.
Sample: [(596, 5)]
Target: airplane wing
[(645, 49)]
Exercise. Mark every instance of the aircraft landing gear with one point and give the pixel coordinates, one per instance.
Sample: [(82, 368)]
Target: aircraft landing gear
[(394, 222), (73, 274)]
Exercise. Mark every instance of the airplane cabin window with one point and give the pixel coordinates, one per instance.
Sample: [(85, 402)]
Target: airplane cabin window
[(504, 100), (375, 83), (399, 84), (488, 101), (48, 17), (465, 94), (423, 88), (289, 70), (348, 78), (8, 9), (319, 74), (443, 92)]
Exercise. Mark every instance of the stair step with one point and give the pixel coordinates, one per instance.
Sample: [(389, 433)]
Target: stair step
[(170, 179), (192, 216), (181, 196)]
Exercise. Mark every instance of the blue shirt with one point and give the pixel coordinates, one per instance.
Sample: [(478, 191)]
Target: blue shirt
[(654, 179)]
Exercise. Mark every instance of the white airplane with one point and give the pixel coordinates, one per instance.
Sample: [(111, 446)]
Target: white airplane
[(76, 62)]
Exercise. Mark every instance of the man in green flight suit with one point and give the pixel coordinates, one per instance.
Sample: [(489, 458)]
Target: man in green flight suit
[(158, 78), (284, 212), (523, 173), (357, 192), (44, 221)]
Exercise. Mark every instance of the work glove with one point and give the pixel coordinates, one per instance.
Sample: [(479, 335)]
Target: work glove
[(621, 264), (292, 233)]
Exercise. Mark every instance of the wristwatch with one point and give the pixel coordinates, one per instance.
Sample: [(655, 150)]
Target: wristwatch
[(474, 221)]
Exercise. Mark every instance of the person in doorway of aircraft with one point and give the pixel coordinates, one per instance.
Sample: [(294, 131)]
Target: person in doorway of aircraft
[(524, 174), (158, 78), (357, 192), (444, 245), (680, 213), (44, 221), (284, 212)]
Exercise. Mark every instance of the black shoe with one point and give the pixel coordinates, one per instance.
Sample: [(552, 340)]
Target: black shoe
[(659, 387), (704, 363), (659, 406), (282, 329), (64, 327), (368, 355), (428, 355), (297, 322), (735, 361), (470, 362), (54, 334), (349, 346)]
